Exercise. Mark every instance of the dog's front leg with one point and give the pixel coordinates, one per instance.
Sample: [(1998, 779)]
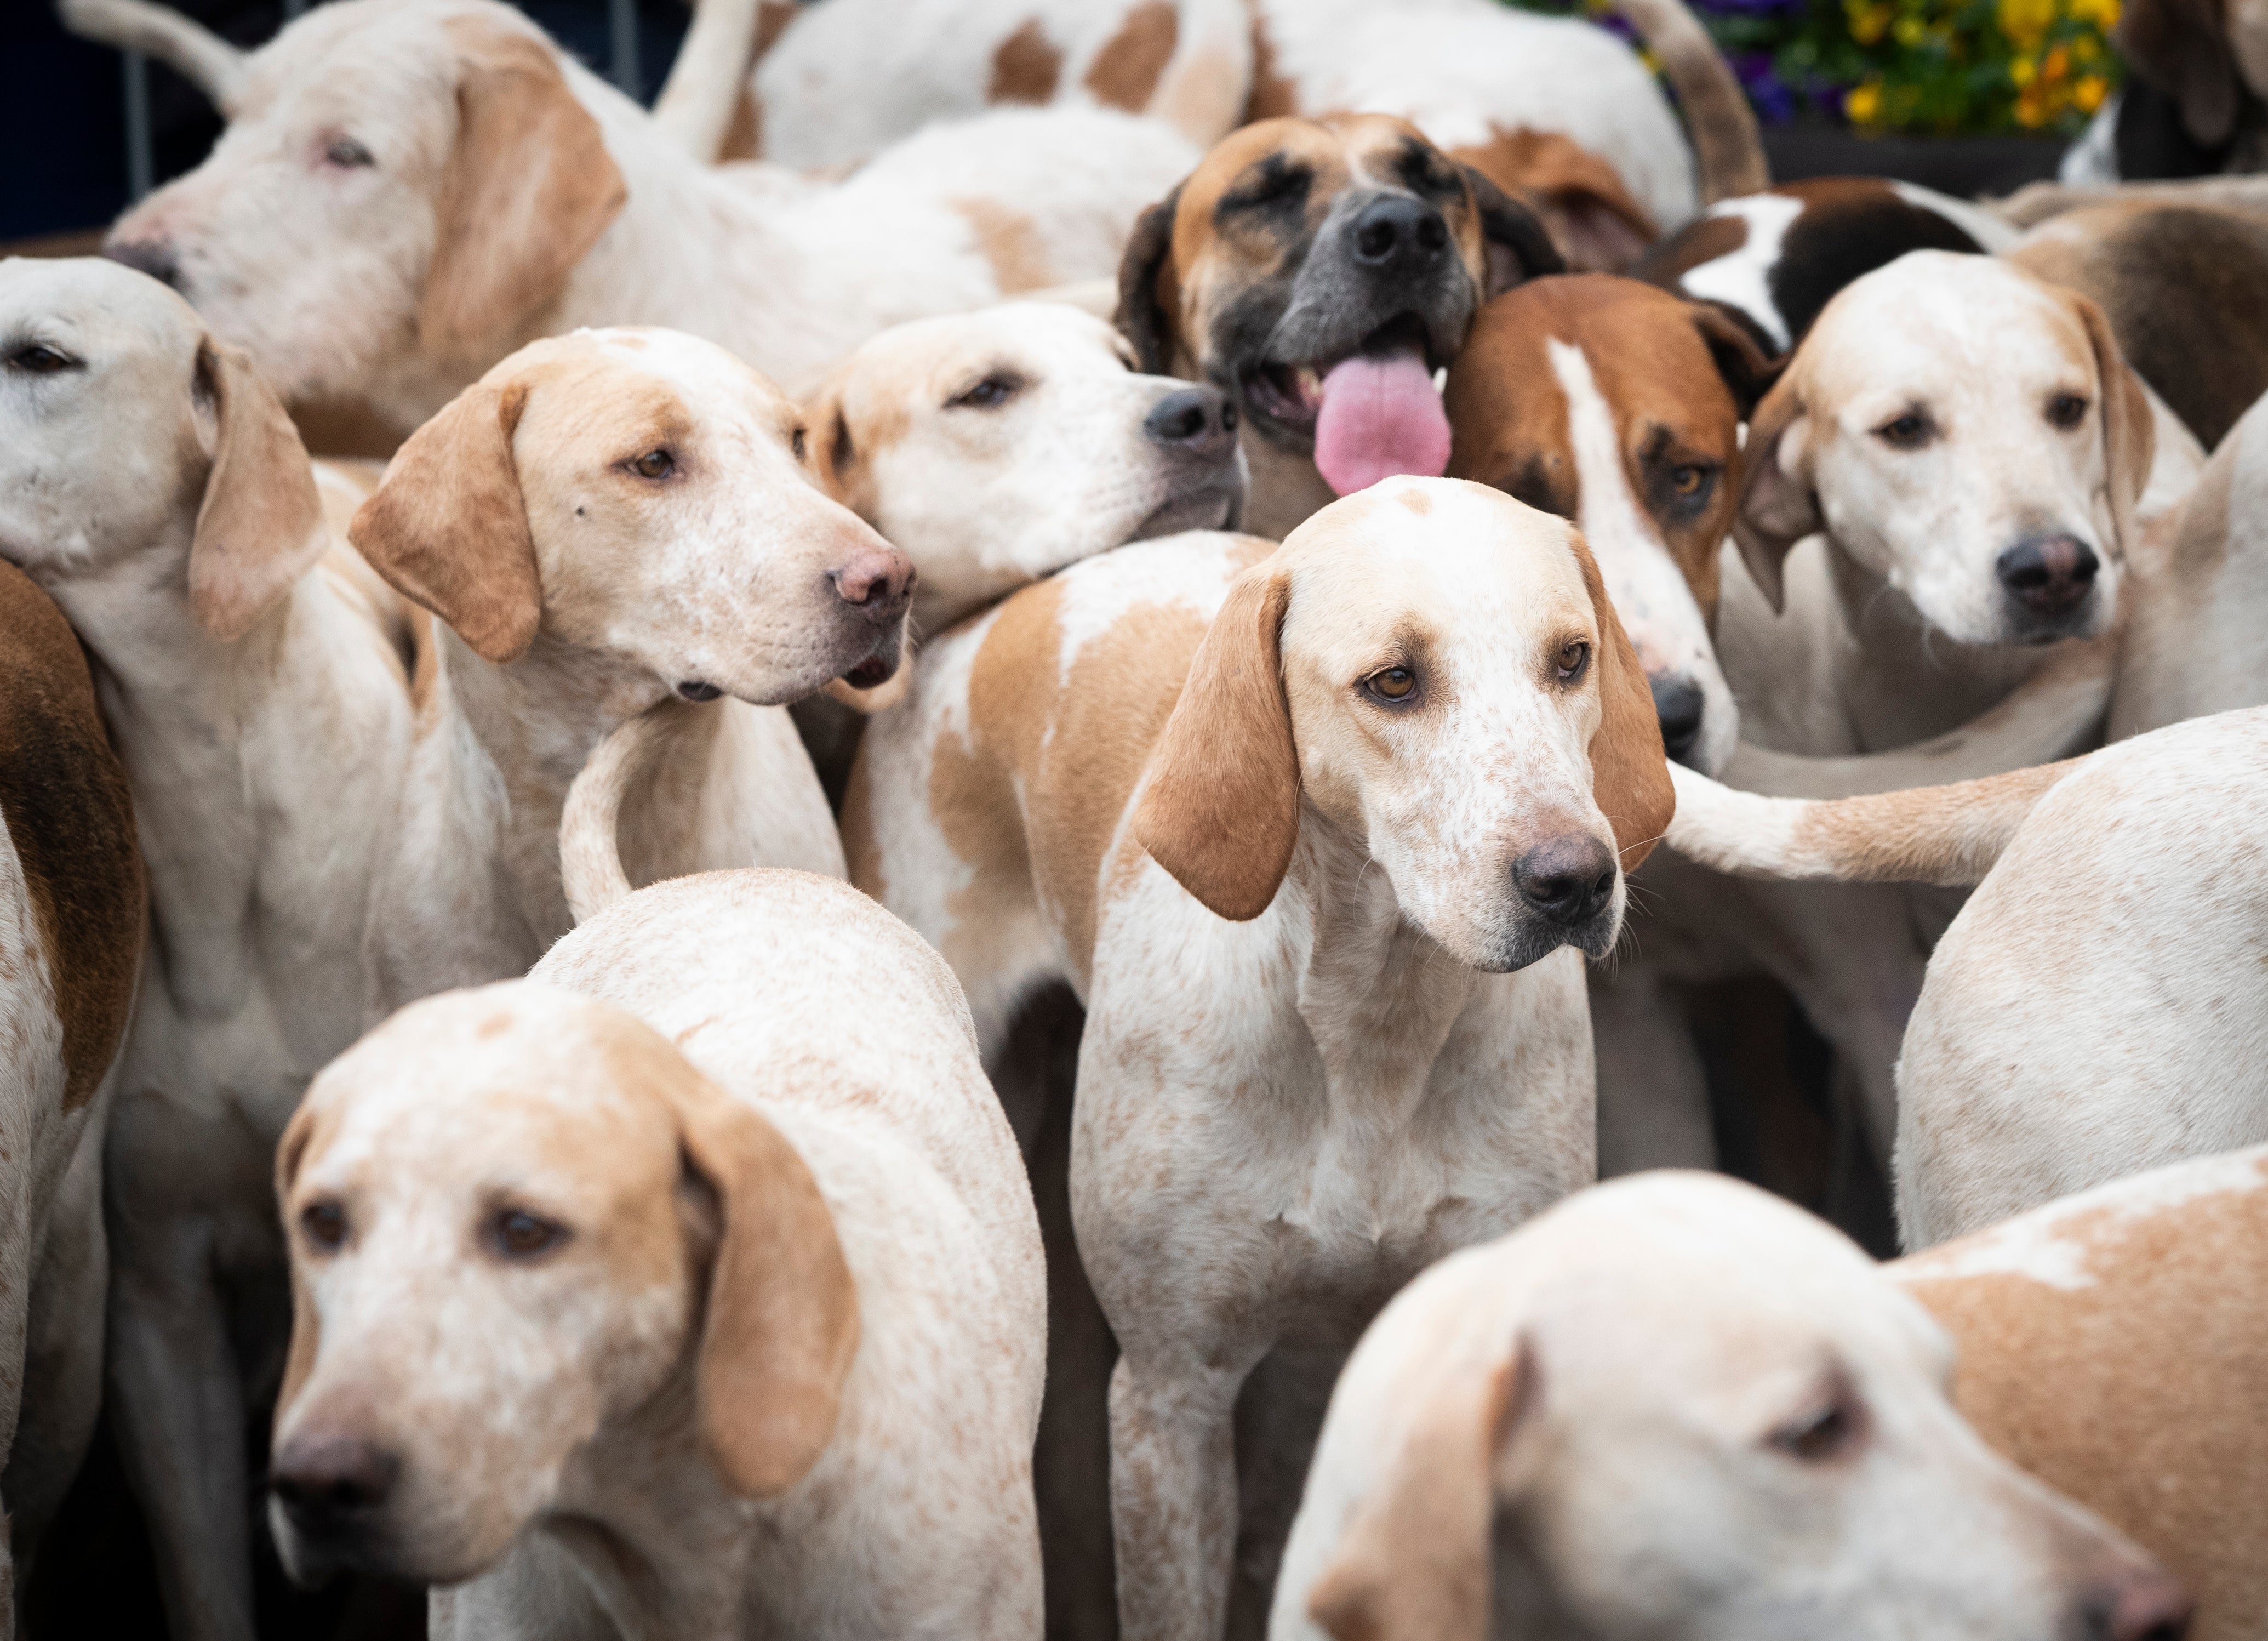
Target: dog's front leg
[(1173, 1495)]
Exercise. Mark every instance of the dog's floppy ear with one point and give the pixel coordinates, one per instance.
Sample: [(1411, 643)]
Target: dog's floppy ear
[(447, 527), (1221, 810), (835, 450), (1749, 371), (2130, 434), (1630, 771), (259, 527), (1413, 1561), (2181, 47), (529, 186), (1518, 247), (1778, 506), (1148, 313), (306, 1334), (782, 1323)]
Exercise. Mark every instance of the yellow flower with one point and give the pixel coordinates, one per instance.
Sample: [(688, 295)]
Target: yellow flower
[(2023, 71), (2089, 92), (1864, 104), (1867, 22), (1909, 31), (2026, 22), (2086, 48), (2103, 13), (2055, 65)]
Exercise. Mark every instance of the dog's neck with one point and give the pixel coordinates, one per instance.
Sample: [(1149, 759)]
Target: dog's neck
[(496, 752), (1378, 994), (1906, 680), (246, 760)]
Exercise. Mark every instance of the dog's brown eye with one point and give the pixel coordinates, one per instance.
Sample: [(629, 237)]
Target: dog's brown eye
[(38, 360), (988, 395), (1685, 480), (657, 464), (1909, 432), (1574, 656), (2066, 411), (1819, 1436), (1395, 683), (518, 1234), (347, 152), (324, 1224), (796, 442)]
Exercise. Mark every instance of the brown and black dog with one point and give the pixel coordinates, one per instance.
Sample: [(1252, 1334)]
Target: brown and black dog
[(1617, 406), (1321, 272)]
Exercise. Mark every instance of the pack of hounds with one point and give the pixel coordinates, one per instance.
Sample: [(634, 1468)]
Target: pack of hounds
[(907, 900)]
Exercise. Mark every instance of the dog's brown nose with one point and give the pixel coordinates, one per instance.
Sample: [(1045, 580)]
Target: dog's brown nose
[(328, 1481), (1568, 881), (2048, 574), (2144, 1603), (154, 257), (874, 580)]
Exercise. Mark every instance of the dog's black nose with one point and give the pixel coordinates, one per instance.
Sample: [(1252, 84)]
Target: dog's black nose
[(154, 257), (328, 1481), (1198, 420), (2048, 574), (1396, 231), (2145, 1604), (1677, 704), (1568, 879), (876, 582)]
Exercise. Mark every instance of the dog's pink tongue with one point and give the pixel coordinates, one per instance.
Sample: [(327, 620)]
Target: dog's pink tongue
[(1379, 416)]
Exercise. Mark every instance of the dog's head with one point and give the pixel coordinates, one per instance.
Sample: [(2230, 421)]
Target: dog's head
[(401, 190), (996, 447), (1319, 272), (1675, 1407), (521, 1219), (1435, 671), (128, 433), (1966, 432), (644, 496), (1618, 406)]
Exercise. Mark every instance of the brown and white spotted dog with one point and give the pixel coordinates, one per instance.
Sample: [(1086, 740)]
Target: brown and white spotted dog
[(1321, 272), (2113, 1344), (1618, 406), (71, 910)]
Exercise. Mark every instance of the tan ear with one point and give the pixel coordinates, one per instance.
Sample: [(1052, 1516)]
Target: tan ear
[(1630, 772), (529, 187), (299, 1359), (260, 525), (783, 1316), (1221, 810), (2130, 433), (1149, 305), (1413, 1563), (1779, 507), (842, 467), (447, 527)]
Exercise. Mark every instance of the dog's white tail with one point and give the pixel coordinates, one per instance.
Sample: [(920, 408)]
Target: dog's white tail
[(590, 851), (188, 47), (1950, 836), (1726, 146), (711, 70)]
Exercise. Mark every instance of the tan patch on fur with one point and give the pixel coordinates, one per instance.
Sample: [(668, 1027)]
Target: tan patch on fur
[(744, 138), (1630, 772), (529, 188), (1272, 96), (1417, 501), (1125, 73), (2139, 1395), (259, 526), (1025, 67), (1588, 212), (69, 814), (1010, 243)]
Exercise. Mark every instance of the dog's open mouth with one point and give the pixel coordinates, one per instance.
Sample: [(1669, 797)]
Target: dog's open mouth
[(1371, 414), (873, 672)]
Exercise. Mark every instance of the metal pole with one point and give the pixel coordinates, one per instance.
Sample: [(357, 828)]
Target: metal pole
[(139, 165), (623, 14)]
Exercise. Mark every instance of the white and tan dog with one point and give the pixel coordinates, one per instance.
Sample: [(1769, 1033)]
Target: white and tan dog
[(151, 484), (2112, 1343), (72, 911), (994, 447), (2099, 1006), (1318, 837), (606, 521), (661, 1294), (409, 190), (1676, 1406)]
